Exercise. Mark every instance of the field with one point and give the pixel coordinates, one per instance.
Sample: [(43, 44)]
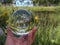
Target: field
[(48, 23)]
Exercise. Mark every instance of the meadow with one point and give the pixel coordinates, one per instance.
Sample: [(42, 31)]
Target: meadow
[(48, 22)]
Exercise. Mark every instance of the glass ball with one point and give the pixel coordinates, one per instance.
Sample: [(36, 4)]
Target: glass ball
[(21, 20)]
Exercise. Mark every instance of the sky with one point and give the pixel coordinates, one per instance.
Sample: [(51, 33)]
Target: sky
[(23, 3)]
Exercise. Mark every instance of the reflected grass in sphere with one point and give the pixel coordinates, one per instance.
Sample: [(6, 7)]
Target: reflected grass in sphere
[(21, 20)]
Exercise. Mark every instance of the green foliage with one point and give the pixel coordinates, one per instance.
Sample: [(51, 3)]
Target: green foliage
[(4, 13), (48, 23), (2, 39), (0, 4), (46, 2), (7, 1)]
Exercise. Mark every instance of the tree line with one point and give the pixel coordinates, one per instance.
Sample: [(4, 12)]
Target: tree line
[(37, 2), (46, 2)]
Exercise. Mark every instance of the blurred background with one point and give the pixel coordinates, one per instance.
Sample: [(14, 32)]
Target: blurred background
[(46, 14)]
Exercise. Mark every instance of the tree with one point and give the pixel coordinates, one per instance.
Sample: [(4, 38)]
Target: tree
[(56, 2), (46, 2), (40, 2), (6, 1)]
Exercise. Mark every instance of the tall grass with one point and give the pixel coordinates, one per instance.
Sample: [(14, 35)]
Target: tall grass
[(48, 31), (48, 23)]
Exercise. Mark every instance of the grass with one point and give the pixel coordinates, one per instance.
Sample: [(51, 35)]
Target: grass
[(48, 23)]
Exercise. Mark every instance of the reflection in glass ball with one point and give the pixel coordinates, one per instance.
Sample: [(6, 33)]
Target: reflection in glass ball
[(21, 20)]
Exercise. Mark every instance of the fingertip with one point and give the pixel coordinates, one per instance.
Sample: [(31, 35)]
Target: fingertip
[(35, 27)]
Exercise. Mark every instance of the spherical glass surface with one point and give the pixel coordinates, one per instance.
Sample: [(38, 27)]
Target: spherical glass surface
[(21, 20)]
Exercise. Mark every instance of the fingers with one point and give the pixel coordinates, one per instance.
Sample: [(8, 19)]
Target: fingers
[(35, 28), (7, 27)]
